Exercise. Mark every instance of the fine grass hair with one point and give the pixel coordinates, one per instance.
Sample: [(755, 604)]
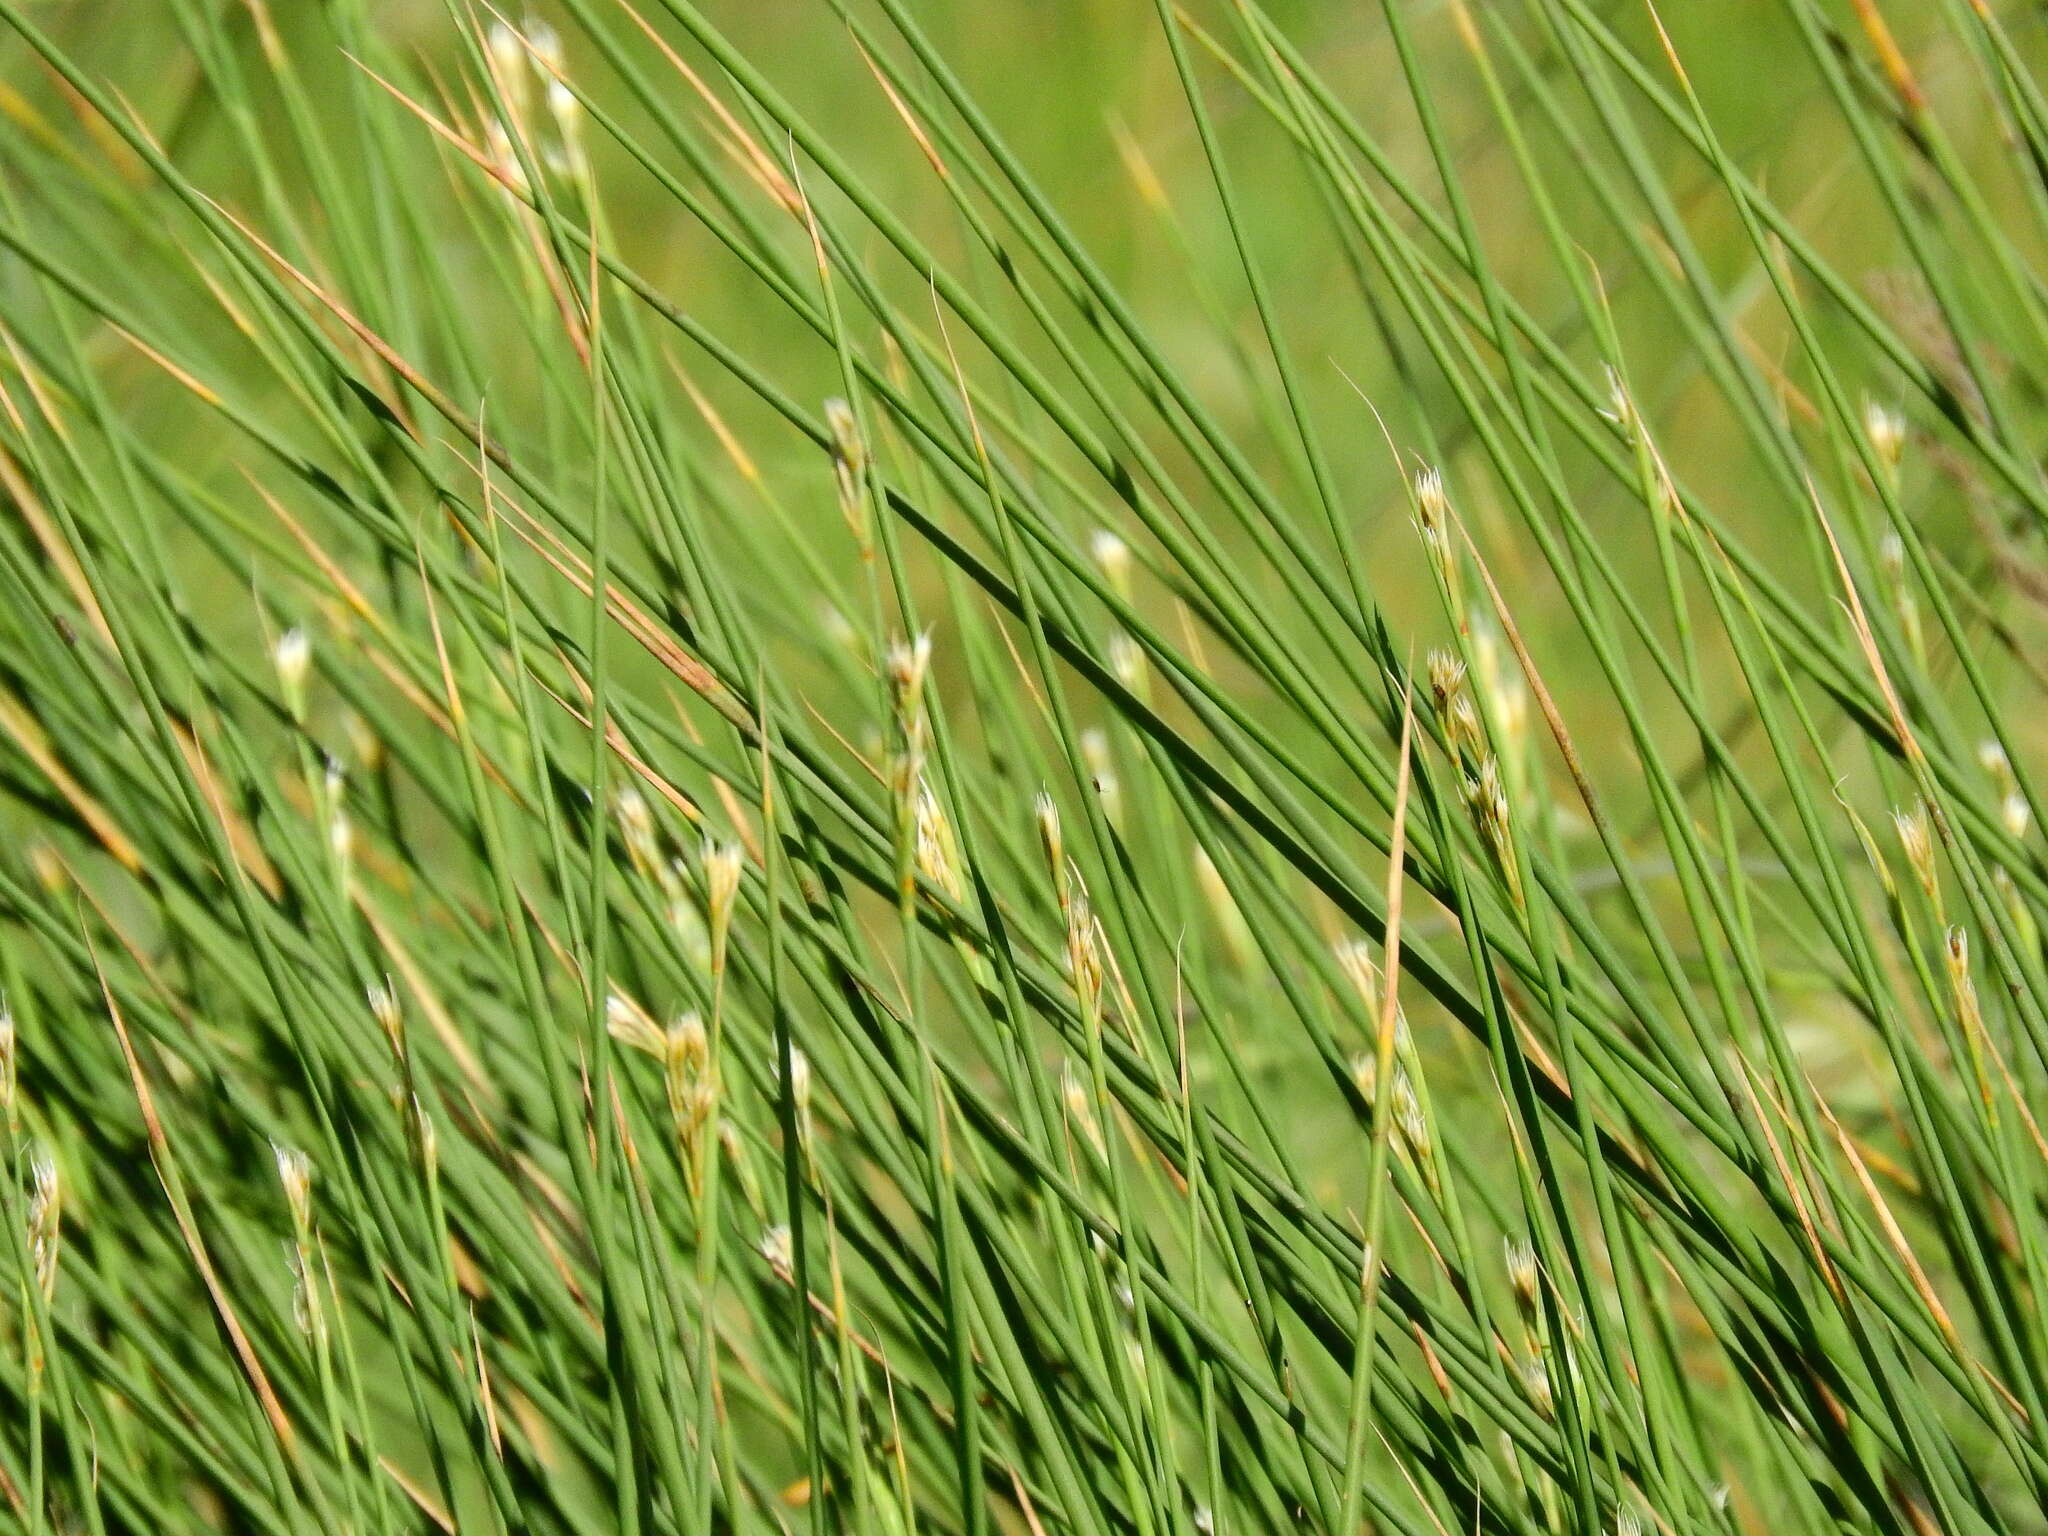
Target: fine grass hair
[(1093, 767)]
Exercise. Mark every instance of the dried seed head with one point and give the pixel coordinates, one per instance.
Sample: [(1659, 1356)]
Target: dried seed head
[(341, 839), (779, 1249), (1355, 960), (1112, 556), (364, 742), (636, 826), (1409, 1119), (684, 1045), (630, 1024), (9, 1065), (295, 1173), (1467, 735), (2015, 813), (685, 1057), (1127, 665), (908, 662), (1499, 682), (305, 1306), (546, 44), (1080, 1103), (1084, 950), (292, 656), (1431, 504), (565, 156), (384, 1008), (1522, 1273), (1992, 759), (1432, 517), (45, 1220), (1916, 838), (849, 467), (508, 55), (800, 1087), (845, 429), (503, 156), (692, 937), (1486, 797), (1891, 553), (1446, 679), (838, 627), (722, 865), (1536, 1382), (1886, 430), (430, 1139), (1621, 405), (938, 856), (1045, 815)]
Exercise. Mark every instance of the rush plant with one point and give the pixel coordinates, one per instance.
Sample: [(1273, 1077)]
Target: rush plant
[(884, 766)]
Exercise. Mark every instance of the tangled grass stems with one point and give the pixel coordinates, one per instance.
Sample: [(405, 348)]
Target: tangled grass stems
[(719, 825)]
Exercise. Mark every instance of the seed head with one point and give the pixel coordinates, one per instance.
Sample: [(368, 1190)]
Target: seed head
[(1045, 815), (9, 1065), (938, 858), (1084, 950), (1409, 1118), (1112, 557), (1486, 798), (295, 1173), (546, 44), (565, 156), (508, 56), (636, 829), (1916, 838), (384, 1008), (630, 1024), (800, 1085), (845, 429), (1431, 504), (292, 656), (430, 1139), (849, 467), (1992, 759), (1127, 664), (364, 742), (1536, 1382), (722, 865), (1446, 678), (779, 1249), (1522, 1273), (45, 1218), (1080, 1103), (2015, 813), (1356, 962), (685, 1056), (1886, 430), (908, 662), (341, 838)]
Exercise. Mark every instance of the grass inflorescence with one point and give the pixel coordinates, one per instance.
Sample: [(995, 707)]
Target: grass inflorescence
[(1096, 768)]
